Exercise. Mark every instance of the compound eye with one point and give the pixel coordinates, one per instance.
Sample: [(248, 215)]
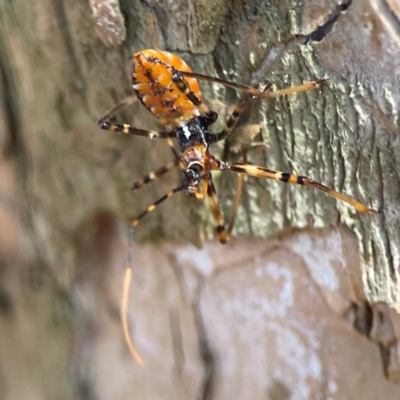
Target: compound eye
[(196, 167)]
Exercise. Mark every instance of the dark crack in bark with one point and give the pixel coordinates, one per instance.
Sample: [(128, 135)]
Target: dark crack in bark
[(318, 34), (207, 355), (207, 389), (384, 228), (177, 343), (7, 307), (11, 107)]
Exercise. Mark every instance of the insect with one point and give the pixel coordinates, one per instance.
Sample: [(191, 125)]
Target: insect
[(169, 89)]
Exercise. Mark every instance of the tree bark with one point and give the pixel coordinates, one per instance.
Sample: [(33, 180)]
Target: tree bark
[(64, 187)]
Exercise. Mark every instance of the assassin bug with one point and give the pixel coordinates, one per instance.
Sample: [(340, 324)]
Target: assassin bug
[(169, 89)]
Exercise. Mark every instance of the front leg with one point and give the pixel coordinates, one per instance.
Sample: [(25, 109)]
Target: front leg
[(130, 130), (105, 123)]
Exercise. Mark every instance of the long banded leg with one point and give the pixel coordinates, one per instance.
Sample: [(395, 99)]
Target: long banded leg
[(216, 212), (234, 117), (293, 89), (223, 82), (253, 94), (152, 176), (128, 129), (105, 123), (151, 207), (261, 172), (262, 94), (232, 121)]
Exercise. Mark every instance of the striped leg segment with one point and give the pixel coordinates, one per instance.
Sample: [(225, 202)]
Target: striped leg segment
[(254, 94), (261, 94), (234, 117), (151, 207), (128, 129), (232, 121), (223, 82), (152, 176), (105, 123), (216, 212), (293, 89), (261, 172)]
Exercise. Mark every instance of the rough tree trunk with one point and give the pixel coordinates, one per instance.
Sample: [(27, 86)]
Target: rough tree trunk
[(300, 305)]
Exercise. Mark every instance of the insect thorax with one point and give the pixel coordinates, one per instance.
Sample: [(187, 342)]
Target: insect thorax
[(193, 133)]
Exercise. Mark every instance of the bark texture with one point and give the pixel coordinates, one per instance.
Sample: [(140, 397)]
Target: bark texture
[(260, 318)]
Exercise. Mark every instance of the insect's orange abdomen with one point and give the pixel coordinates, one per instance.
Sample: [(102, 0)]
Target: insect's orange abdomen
[(153, 84)]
